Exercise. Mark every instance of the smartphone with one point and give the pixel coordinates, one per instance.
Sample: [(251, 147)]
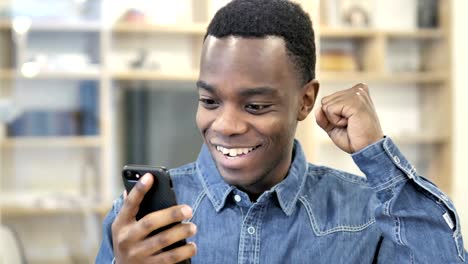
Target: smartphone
[(158, 197)]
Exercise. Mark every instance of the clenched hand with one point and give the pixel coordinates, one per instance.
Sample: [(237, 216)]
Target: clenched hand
[(350, 119)]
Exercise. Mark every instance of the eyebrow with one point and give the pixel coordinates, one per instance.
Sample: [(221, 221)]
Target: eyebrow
[(245, 92), (203, 85)]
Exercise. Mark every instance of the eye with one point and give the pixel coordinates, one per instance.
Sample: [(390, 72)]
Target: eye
[(208, 103), (257, 108)]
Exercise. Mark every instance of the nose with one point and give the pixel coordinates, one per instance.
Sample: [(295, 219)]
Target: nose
[(229, 122)]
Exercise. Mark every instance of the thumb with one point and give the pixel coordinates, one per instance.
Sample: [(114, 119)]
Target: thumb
[(322, 120)]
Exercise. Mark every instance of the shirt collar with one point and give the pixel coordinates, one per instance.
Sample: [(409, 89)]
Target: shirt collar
[(287, 191), (213, 183)]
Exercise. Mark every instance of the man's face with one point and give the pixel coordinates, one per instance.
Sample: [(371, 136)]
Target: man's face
[(250, 99)]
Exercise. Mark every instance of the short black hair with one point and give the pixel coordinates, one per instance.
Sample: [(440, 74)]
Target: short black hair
[(262, 18)]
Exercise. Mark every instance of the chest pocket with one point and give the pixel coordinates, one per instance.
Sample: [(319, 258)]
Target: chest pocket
[(338, 214)]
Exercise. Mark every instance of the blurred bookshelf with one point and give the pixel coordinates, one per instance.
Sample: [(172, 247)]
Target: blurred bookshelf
[(6, 73), (407, 61), (132, 62), (411, 139), (128, 27), (412, 77), (347, 33), (52, 142), (4, 24), (84, 75), (154, 76)]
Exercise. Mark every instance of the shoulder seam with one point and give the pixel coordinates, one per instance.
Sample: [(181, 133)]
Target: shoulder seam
[(185, 169), (344, 176)]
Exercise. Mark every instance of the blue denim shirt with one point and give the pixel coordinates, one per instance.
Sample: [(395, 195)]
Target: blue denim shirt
[(318, 214)]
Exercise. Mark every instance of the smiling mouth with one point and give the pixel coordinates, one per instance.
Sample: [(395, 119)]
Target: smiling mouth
[(235, 152)]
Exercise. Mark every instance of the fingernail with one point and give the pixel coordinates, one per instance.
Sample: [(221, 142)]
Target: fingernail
[(145, 179), (186, 211)]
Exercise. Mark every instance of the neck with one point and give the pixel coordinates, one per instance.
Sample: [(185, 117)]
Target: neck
[(272, 178)]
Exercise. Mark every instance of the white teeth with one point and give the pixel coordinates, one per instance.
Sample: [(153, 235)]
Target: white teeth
[(225, 151), (233, 152)]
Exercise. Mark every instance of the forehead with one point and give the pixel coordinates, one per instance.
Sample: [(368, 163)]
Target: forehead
[(250, 60)]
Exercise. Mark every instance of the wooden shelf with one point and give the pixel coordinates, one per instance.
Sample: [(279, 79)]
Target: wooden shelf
[(360, 33), (326, 32), (417, 77), (4, 24), (57, 26), (79, 75), (12, 210), (25, 211), (417, 34), (419, 139), (52, 142), (197, 29), (154, 76), (22, 202), (7, 73)]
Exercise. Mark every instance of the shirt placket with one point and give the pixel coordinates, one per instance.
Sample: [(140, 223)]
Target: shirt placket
[(249, 243)]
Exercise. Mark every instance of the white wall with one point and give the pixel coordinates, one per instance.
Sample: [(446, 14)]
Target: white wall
[(460, 82)]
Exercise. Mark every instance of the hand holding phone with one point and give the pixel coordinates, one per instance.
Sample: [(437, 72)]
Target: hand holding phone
[(159, 196), (135, 240)]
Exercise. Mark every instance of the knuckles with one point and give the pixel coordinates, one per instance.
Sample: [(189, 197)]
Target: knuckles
[(160, 241), (361, 86), (353, 92), (171, 257), (132, 254), (174, 256), (122, 241), (147, 224)]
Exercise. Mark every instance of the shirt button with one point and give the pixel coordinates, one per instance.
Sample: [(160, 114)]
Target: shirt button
[(396, 159), (237, 198), (251, 230)]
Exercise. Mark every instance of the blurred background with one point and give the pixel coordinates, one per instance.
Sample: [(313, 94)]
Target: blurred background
[(87, 86)]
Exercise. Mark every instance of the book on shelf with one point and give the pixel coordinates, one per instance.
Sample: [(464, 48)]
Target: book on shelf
[(44, 123), (81, 121), (89, 108)]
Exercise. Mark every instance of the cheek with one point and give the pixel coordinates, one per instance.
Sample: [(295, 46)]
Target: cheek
[(201, 119), (204, 118), (275, 127)]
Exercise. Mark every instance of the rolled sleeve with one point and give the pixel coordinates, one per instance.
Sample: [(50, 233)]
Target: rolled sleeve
[(412, 207), (383, 164)]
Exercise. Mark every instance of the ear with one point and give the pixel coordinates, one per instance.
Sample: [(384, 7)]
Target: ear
[(307, 99)]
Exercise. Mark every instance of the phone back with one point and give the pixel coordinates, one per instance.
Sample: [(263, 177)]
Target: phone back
[(159, 197)]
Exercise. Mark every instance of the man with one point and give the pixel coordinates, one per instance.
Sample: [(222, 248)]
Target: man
[(251, 197)]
